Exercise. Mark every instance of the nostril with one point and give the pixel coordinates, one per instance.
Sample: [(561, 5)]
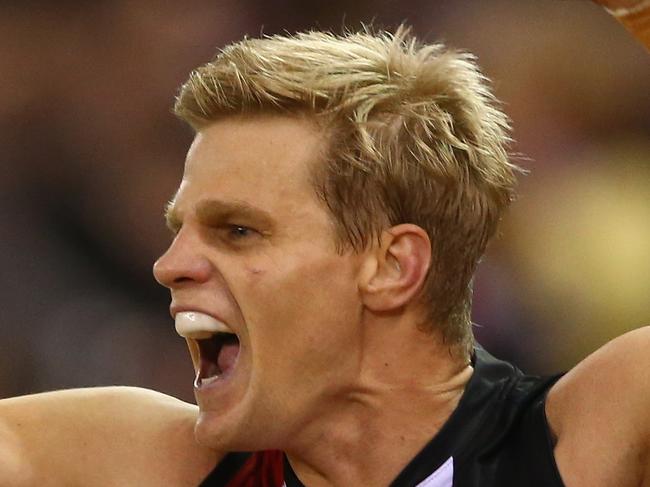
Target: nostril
[(182, 279), (175, 277)]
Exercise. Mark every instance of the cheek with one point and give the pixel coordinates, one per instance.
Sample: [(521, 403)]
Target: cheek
[(302, 323), (298, 296), (313, 306)]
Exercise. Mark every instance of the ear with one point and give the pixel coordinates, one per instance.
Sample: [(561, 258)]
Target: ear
[(394, 274)]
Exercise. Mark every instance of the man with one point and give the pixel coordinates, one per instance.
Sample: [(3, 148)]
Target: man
[(335, 202)]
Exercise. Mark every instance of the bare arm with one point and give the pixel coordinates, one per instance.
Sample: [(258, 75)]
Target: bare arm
[(600, 413), (100, 436)]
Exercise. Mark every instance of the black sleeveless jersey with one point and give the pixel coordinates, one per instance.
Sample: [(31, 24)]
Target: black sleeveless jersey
[(497, 437)]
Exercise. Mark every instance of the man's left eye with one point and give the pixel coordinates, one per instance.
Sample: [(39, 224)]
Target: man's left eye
[(240, 231)]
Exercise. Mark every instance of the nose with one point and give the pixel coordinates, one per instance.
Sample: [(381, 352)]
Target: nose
[(182, 263)]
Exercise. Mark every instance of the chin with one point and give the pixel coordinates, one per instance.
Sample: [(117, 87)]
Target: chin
[(224, 431), (211, 431)]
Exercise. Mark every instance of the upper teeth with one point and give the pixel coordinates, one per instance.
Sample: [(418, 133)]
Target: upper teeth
[(193, 324)]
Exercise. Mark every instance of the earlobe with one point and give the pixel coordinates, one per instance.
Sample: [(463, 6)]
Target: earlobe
[(394, 274)]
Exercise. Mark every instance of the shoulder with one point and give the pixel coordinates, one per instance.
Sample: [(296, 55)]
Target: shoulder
[(599, 414), (101, 436)]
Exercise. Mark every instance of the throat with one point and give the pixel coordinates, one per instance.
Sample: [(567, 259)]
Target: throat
[(397, 424)]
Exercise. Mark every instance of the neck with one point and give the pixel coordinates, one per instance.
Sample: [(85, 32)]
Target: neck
[(406, 385)]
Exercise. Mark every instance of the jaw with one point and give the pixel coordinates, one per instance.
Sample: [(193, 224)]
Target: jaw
[(227, 422), (225, 404), (250, 415)]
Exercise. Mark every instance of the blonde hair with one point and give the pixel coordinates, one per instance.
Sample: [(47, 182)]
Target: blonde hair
[(414, 137)]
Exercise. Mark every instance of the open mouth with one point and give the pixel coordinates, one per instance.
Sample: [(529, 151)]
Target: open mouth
[(218, 356), (215, 343)]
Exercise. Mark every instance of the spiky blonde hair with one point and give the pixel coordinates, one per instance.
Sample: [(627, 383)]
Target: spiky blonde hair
[(415, 136)]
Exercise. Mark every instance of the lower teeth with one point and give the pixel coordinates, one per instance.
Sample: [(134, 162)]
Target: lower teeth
[(198, 382)]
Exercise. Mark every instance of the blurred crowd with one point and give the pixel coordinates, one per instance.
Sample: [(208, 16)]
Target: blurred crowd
[(91, 153)]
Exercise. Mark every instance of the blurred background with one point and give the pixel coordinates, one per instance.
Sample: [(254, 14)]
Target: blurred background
[(90, 154)]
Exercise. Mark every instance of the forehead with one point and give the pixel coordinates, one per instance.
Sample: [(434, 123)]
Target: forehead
[(264, 160)]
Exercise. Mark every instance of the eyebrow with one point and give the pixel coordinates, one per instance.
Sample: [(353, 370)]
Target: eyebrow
[(215, 211)]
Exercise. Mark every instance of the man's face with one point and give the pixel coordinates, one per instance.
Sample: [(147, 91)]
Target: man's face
[(255, 250)]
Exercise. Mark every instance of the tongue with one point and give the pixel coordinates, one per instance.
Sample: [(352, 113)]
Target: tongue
[(227, 356)]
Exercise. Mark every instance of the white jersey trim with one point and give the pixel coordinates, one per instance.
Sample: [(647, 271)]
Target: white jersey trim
[(442, 477)]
